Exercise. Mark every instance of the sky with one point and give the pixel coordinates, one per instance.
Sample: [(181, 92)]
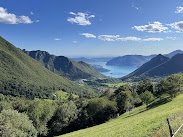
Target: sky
[(93, 28)]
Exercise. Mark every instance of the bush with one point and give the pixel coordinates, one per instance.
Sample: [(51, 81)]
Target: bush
[(14, 124), (147, 97)]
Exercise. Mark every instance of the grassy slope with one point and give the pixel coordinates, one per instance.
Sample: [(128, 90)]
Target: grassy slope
[(140, 122), (19, 68)]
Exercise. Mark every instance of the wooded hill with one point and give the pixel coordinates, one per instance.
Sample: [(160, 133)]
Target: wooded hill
[(20, 75), (64, 66)]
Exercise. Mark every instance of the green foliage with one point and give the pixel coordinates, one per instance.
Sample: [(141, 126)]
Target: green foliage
[(171, 85), (40, 112), (147, 97), (14, 124), (5, 105), (64, 115), (124, 101), (101, 109), (144, 85)]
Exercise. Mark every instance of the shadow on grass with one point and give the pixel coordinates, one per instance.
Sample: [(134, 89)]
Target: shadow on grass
[(152, 105), (159, 102)]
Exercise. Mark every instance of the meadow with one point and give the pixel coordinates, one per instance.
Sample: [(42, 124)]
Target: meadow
[(140, 122)]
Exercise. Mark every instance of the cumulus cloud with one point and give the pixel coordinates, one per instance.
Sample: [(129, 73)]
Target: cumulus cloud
[(10, 18), (153, 39), (88, 35), (177, 26), (75, 42), (129, 39), (154, 27), (57, 39), (108, 37), (179, 10), (80, 18), (32, 13)]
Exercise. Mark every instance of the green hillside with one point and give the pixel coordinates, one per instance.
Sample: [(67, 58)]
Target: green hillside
[(20, 75), (64, 66), (139, 122)]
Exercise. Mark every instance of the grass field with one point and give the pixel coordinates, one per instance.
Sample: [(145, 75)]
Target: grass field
[(61, 95), (140, 122), (115, 85)]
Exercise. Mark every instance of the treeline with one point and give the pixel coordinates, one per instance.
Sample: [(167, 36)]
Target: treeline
[(21, 117), (17, 88)]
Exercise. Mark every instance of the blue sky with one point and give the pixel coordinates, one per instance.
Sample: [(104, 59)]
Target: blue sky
[(93, 27)]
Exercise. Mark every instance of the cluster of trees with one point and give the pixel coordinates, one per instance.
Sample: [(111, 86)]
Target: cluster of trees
[(20, 117)]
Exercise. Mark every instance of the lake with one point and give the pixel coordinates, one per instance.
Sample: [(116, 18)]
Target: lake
[(115, 71)]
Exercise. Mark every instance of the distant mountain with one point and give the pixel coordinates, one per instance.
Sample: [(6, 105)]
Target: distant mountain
[(171, 54), (130, 60), (20, 75), (162, 68), (136, 60), (141, 71), (64, 66), (100, 68), (83, 59), (93, 60)]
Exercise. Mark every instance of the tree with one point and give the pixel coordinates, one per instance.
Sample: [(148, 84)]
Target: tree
[(171, 85), (124, 101), (144, 85), (40, 112), (147, 97), (64, 115), (101, 109), (15, 124)]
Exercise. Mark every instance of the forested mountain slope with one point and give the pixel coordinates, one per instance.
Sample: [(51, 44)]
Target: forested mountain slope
[(64, 66), (20, 75)]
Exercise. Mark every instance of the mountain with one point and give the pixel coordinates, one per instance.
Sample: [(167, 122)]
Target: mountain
[(136, 60), (93, 60), (171, 54), (157, 67), (20, 75), (154, 62), (64, 66), (129, 60), (100, 68)]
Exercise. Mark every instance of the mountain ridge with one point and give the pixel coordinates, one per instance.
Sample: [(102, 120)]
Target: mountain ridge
[(64, 66), (162, 68)]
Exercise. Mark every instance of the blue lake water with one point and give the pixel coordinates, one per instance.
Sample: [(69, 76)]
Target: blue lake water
[(115, 71)]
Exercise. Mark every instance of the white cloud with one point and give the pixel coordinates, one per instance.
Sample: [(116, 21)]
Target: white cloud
[(37, 20), (153, 39), (75, 42), (172, 38), (129, 39), (80, 18), (9, 18), (108, 37), (179, 10), (177, 25), (88, 35), (57, 39), (155, 27)]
